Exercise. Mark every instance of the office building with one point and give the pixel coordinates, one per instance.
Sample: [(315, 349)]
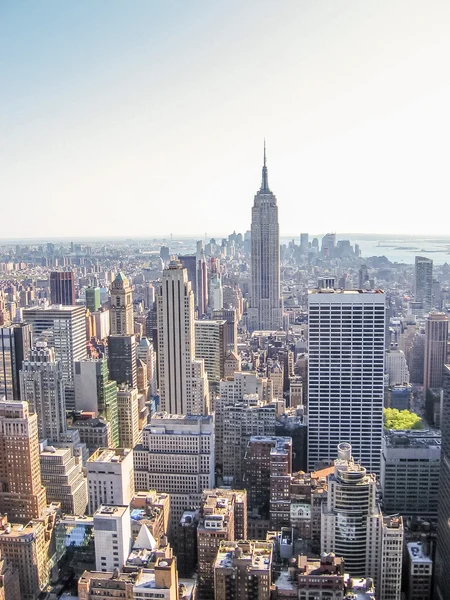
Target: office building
[(93, 301), (353, 527), (101, 320), (423, 282), (93, 433), (223, 516), (29, 548), (182, 378), (62, 288), (112, 531), (410, 464), (442, 584), (186, 542), (304, 241), (128, 416), (15, 343), (110, 476), (396, 366), (230, 316), (419, 568), (96, 393), (22, 496), (63, 479), (42, 386), (68, 327), (211, 346), (346, 374), (122, 359), (146, 352), (266, 306), (176, 456), (243, 570), (239, 422), (436, 341)]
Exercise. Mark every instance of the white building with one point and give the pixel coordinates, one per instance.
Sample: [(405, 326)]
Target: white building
[(396, 366), (110, 475), (352, 526), (346, 374), (266, 305), (112, 533), (176, 456), (419, 569), (182, 378), (147, 354), (101, 320), (42, 386), (68, 325)]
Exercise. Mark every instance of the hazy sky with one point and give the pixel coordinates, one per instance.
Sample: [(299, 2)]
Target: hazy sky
[(146, 118)]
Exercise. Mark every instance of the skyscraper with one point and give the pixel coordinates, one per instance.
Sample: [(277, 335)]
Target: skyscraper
[(22, 496), (183, 382), (436, 339), (266, 306), (68, 325), (15, 343), (121, 306), (346, 374), (42, 386), (423, 285), (62, 288), (443, 529), (93, 302), (122, 359)]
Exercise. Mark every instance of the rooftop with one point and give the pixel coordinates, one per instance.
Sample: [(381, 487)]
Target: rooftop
[(416, 551), (109, 455), (416, 438), (106, 510), (258, 555)]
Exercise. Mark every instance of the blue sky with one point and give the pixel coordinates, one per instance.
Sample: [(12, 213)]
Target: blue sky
[(148, 118)]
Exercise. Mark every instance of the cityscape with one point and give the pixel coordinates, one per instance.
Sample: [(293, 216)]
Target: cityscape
[(225, 300), (219, 419)]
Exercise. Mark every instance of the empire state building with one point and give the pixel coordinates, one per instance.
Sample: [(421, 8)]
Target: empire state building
[(266, 307)]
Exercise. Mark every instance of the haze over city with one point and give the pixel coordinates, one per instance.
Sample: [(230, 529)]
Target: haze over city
[(148, 118)]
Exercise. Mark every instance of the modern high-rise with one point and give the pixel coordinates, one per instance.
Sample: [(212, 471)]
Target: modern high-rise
[(96, 393), (112, 530), (443, 529), (176, 456), (182, 378), (68, 327), (230, 316), (423, 283), (22, 496), (15, 343), (121, 306), (211, 346), (128, 416), (122, 359), (346, 374), (266, 306), (110, 475), (62, 288), (354, 527), (42, 386), (436, 340), (93, 301)]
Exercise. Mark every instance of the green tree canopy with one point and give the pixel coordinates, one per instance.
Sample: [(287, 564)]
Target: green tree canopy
[(401, 419)]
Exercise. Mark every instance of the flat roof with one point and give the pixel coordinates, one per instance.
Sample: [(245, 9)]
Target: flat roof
[(417, 554)]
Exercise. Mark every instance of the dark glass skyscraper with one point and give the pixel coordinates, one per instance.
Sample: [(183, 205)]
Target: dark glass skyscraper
[(15, 343), (62, 288)]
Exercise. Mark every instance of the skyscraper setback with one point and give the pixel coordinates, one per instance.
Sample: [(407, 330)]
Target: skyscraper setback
[(266, 307), (183, 382)]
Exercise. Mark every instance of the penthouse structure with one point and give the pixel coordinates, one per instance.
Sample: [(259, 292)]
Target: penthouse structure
[(176, 456), (243, 570)]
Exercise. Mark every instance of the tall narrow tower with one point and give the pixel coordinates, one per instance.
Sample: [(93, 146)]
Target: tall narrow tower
[(121, 309), (183, 382), (423, 284), (266, 307)]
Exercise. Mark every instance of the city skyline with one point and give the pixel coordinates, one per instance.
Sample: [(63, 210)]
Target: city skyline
[(163, 98)]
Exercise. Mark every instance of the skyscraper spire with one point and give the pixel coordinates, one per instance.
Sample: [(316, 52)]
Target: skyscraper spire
[(265, 179)]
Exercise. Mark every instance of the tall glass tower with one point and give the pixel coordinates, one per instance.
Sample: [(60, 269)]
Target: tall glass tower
[(266, 307)]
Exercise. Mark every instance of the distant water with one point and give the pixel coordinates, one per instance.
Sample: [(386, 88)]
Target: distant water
[(397, 248)]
